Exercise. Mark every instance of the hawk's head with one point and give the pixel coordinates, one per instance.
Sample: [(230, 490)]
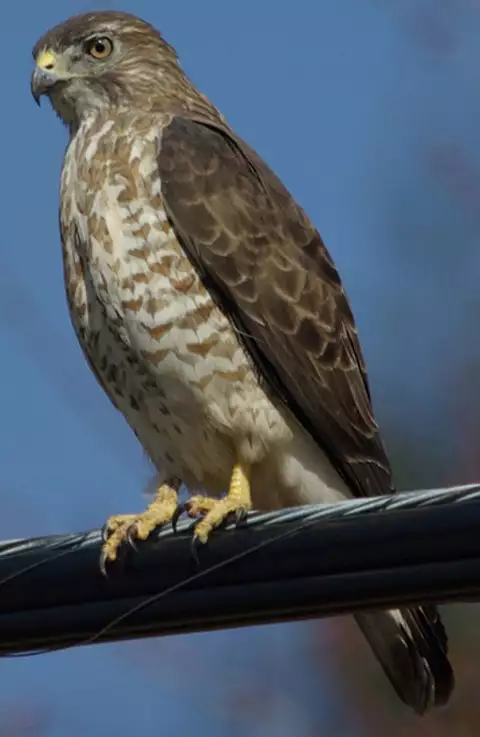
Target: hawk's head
[(103, 59)]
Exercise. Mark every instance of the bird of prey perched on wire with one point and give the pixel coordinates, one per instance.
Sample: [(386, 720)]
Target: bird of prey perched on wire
[(210, 310)]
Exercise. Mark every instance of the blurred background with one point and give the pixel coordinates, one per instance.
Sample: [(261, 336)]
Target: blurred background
[(370, 113)]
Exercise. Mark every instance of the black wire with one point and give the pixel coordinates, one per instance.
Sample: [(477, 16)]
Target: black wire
[(301, 563)]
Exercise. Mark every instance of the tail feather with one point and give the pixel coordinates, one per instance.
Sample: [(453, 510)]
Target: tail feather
[(411, 646)]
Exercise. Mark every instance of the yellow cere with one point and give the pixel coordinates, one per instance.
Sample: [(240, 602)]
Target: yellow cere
[(46, 59)]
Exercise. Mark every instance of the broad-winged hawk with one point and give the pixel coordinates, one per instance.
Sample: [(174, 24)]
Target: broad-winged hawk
[(210, 310)]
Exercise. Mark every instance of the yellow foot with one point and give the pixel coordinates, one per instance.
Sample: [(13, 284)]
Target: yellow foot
[(217, 511), (124, 527)]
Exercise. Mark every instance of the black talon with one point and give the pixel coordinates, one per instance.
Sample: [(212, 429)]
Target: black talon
[(103, 564), (194, 548), (130, 539), (177, 514), (104, 532)]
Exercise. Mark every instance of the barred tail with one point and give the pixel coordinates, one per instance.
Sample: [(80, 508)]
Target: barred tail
[(411, 645)]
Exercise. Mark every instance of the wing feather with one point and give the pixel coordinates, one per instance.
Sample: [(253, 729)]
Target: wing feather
[(266, 265)]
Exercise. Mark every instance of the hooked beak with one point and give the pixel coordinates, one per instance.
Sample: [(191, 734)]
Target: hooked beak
[(45, 74), (42, 81)]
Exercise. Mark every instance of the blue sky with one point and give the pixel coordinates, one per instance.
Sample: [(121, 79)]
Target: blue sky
[(346, 101)]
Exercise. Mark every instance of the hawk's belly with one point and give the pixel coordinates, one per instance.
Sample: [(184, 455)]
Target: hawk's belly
[(165, 354), (182, 381)]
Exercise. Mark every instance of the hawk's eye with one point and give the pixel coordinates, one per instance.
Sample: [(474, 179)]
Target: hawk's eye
[(99, 47)]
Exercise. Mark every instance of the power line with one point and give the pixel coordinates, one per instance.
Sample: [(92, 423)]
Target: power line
[(307, 562)]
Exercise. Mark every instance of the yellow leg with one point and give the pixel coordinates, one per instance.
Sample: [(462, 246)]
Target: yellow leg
[(120, 528), (236, 503)]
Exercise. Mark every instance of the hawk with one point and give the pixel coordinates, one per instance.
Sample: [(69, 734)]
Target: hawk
[(211, 312)]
